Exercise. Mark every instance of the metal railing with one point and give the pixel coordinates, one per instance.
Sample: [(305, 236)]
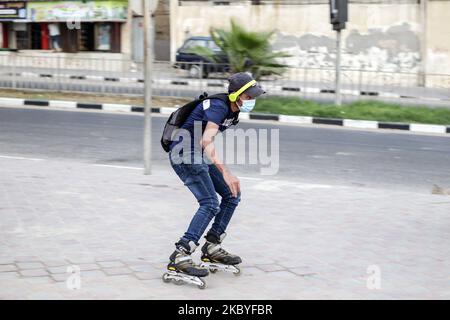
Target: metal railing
[(115, 76)]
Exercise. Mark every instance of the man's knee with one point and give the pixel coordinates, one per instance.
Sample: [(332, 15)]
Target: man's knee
[(210, 205)]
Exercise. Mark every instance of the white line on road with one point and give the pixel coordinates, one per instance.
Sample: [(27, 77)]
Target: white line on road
[(21, 158), (118, 167), (252, 179), (344, 154)]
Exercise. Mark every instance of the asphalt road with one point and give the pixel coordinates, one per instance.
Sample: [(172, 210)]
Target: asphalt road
[(319, 155)]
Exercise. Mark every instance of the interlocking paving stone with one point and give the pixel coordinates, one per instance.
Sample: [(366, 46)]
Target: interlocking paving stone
[(7, 268), (92, 274), (117, 271), (9, 275), (135, 262), (270, 267), (26, 259), (88, 266), (34, 273), (110, 264), (6, 261), (60, 277), (57, 270), (79, 260), (55, 263), (143, 268), (147, 275), (118, 217), (303, 271), (30, 265)]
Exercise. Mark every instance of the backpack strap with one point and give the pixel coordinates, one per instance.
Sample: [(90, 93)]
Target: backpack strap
[(224, 98)]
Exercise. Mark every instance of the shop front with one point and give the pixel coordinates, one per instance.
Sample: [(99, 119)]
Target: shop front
[(63, 26), (10, 12), (71, 26)]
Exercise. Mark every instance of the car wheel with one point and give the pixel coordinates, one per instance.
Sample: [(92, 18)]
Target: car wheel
[(195, 71)]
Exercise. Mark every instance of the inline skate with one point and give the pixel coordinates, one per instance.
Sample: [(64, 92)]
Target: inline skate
[(181, 269), (215, 258)]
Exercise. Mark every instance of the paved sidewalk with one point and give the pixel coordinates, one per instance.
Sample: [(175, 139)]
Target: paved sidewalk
[(297, 240)]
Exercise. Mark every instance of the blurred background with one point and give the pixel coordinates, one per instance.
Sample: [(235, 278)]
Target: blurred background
[(391, 49)]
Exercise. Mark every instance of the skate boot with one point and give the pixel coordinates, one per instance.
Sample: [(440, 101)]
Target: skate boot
[(181, 268), (214, 257)]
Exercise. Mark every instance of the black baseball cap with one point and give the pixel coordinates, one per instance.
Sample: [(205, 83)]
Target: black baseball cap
[(240, 79)]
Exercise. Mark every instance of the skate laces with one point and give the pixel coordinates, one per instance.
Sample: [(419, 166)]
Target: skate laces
[(224, 252), (218, 248)]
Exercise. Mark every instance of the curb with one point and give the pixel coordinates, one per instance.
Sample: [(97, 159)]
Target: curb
[(361, 124), (209, 83)]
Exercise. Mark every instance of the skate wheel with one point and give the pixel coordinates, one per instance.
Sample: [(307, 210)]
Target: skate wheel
[(213, 270), (178, 282), (202, 286), (237, 272), (166, 278)]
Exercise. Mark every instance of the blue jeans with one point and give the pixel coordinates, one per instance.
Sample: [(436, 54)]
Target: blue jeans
[(205, 181)]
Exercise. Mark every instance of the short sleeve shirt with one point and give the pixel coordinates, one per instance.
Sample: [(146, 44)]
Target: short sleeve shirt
[(213, 110)]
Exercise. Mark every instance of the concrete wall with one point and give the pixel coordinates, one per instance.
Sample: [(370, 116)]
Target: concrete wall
[(162, 29), (438, 42), (379, 37)]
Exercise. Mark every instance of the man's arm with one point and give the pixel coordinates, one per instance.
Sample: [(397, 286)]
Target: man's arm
[(207, 143)]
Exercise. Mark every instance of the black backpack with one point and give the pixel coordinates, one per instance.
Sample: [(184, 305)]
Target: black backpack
[(179, 116)]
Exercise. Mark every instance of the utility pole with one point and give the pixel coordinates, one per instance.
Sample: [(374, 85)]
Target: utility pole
[(149, 6), (338, 18), (338, 99), (423, 44)]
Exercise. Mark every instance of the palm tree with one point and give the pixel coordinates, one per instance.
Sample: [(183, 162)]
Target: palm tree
[(245, 51)]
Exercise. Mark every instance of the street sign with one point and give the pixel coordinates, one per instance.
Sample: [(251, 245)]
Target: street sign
[(338, 18), (338, 13), (12, 10)]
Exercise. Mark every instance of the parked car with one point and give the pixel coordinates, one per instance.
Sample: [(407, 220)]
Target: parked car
[(197, 65)]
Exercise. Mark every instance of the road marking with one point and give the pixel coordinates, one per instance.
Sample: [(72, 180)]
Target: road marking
[(278, 185), (318, 156), (253, 179), (21, 158), (344, 154), (118, 167)]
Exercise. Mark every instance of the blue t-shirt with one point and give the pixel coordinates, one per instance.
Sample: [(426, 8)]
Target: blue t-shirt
[(213, 110)]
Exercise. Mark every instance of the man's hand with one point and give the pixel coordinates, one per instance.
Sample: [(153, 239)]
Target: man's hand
[(232, 182)]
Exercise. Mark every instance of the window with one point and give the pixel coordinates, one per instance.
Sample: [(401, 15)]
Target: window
[(213, 46), (22, 36), (86, 37), (103, 37), (194, 43)]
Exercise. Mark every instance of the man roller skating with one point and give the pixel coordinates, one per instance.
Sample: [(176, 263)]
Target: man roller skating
[(199, 167)]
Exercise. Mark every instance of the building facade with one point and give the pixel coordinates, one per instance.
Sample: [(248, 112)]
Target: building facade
[(65, 26), (91, 28), (390, 36)]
